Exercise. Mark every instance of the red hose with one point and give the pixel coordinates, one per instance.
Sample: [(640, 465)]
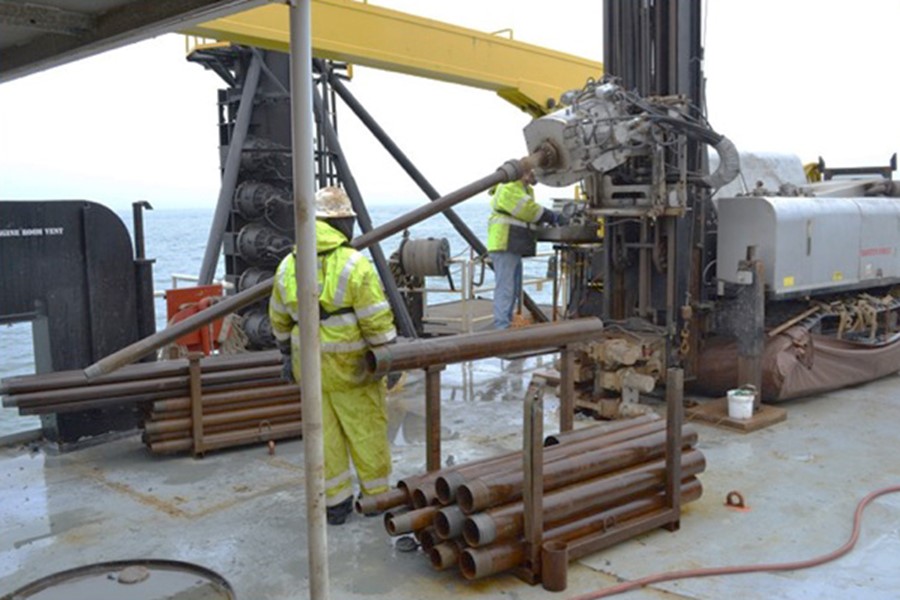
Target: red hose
[(734, 570)]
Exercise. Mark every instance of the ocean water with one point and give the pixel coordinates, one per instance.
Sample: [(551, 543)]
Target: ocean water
[(176, 239)]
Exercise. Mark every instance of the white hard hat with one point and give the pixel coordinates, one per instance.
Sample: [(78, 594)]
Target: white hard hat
[(333, 203)]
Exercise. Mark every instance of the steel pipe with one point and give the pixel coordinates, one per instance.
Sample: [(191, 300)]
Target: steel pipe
[(509, 171), (412, 520), (446, 554), (448, 522), (256, 424), (82, 405), (283, 390), (481, 494), (251, 414), (592, 431), (124, 389), (231, 438), (382, 502), (448, 486), (420, 354), (428, 538), (22, 384), (476, 563), (505, 522)]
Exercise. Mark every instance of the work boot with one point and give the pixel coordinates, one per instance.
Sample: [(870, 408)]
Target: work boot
[(337, 514)]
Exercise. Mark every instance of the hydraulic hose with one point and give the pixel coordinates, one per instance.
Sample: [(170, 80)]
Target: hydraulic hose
[(739, 569)]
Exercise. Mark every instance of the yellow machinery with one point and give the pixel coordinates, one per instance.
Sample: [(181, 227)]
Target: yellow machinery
[(528, 76)]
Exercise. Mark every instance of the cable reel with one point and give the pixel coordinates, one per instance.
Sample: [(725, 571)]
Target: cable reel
[(425, 258)]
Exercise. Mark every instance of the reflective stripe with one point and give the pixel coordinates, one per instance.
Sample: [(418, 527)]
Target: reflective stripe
[(277, 305), (371, 310), (281, 336), (340, 320), (503, 219), (341, 289), (375, 483), (283, 280), (335, 500), (519, 205), (382, 338), (337, 480), (343, 347)]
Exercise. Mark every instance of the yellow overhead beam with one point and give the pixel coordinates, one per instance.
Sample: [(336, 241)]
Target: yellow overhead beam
[(345, 30)]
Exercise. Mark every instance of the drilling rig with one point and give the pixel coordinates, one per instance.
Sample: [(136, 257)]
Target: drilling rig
[(738, 289)]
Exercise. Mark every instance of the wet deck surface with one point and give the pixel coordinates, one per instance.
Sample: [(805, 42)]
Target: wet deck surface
[(241, 512)]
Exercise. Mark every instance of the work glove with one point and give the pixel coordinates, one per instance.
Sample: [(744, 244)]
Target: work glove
[(287, 369), (549, 217)]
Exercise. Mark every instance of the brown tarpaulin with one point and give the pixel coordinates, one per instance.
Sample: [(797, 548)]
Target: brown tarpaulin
[(797, 363)]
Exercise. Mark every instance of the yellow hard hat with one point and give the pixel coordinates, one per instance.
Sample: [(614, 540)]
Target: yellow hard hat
[(333, 203)]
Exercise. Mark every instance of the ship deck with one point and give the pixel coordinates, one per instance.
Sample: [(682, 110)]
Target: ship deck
[(241, 512)]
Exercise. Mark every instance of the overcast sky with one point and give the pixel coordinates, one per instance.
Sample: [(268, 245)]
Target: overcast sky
[(808, 77)]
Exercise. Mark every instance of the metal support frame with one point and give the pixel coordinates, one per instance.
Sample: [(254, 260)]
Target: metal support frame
[(567, 389), (401, 314), (533, 465), (230, 172), (196, 402), (558, 554), (433, 417), (406, 164), (750, 326)]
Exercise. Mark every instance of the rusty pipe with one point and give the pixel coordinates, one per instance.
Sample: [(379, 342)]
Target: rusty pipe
[(21, 384), (428, 538), (406, 522), (377, 503), (422, 353), (161, 415), (509, 171), (476, 563), (446, 554), (424, 495), (448, 522), (592, 431), (507, 521), (164, 384), (251, 414), (230, 397), (256, 424), (232, 438), (448, 485), (480, 494), (130, 399)]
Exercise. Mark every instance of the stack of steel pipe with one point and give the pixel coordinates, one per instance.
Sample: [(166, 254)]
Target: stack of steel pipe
[(230, 418), (243, 398), (471, 516)]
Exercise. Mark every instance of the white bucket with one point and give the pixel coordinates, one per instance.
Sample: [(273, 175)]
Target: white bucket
[(740, 403)]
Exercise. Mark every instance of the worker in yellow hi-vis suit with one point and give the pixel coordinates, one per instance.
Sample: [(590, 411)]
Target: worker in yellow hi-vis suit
[(353, 315), (514, 214)]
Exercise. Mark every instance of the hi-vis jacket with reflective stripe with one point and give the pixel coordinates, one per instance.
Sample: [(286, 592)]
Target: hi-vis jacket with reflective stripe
[(350, 292), (512, 205)]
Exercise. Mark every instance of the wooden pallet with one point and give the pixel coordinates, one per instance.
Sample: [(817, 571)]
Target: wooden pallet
[(715, 413)]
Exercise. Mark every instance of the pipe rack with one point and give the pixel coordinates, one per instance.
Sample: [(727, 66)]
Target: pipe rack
[(434, 354)]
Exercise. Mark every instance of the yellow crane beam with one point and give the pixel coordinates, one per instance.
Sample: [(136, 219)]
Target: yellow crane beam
[(528, 76)]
